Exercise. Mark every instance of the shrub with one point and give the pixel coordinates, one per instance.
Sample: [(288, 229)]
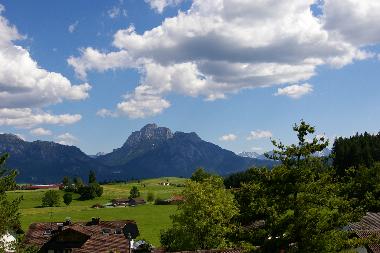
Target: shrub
[(150, 197), (50, 198), (67, 198)]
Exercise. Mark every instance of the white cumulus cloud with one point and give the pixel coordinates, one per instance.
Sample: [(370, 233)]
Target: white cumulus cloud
[(67, 139), (27, 118), (295, 91), (160, 5), (40, 131), (221, 47), (259, 134), (228, 137), (25, 87)]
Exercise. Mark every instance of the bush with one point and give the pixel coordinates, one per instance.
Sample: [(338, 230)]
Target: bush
[(159, 201), (67, 198), (51, 198), (150, 197)]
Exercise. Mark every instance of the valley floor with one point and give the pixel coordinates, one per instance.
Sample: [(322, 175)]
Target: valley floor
[(150, 218)]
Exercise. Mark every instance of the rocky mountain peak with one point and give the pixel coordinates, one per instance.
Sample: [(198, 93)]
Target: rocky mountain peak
[(149, 133), (10, 138)]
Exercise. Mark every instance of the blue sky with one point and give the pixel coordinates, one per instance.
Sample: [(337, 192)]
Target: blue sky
[(236, 72)]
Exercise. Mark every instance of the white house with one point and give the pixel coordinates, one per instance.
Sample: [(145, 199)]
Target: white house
[(8, 242)]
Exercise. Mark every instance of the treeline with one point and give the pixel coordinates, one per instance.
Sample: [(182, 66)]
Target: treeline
[(86, 191), (355, 151), (301, 205)]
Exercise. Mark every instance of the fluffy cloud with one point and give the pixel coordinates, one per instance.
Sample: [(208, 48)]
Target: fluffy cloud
[(67, 139), (259, 134), (295, 91), (228, 137), (354, 21), (141, 104), (27, 118), (92, 59), (40, 131), (160, 5), (25, 87), (221, 47)]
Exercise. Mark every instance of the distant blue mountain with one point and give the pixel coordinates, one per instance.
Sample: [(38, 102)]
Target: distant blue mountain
[(150, 152)]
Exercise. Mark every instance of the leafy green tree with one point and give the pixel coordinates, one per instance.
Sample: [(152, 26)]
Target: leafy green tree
[(67, 198), (78, 183), (92, 177), (51, 198), (150, 197), (9, 209), (90, 191), (203, 220), (66, 181), (297, 206), (134, 193), (98, 189), (200, 175)]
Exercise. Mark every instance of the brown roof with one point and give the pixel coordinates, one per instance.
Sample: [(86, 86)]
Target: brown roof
[(97, 240), (202, 251), (368, 226)]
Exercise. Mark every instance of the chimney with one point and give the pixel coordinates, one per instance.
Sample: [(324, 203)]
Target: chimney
[(95, 221)]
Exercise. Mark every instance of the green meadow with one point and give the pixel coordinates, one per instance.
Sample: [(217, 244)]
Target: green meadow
[(150, 218)]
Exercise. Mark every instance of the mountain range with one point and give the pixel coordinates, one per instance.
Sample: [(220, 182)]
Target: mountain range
[(150, 152), (324, 153)]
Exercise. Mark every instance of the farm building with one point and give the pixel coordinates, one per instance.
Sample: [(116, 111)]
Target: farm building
[(7, 241), (82, 237), (368, 226), (128, 202)]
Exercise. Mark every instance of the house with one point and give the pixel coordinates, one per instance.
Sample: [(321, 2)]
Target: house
[(136, 201), (176, 199), (368, 226), (128, 202), (40, 186), (120, 202), (7, 241), (82, 237)]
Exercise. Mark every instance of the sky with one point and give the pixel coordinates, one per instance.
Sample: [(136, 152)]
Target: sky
[(237, 72)]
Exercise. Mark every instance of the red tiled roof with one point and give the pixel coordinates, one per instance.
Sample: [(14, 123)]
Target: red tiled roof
[(202, 251), (368, 226), (97, 242)]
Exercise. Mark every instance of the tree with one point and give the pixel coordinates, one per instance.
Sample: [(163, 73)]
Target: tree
[(203, 220), (92, 177), (67, 198), (199, 175), (134, 193), (51, 198), (90, 191), (78, 183), (9, 209), (297, 206), (66, 181), (150, 197)]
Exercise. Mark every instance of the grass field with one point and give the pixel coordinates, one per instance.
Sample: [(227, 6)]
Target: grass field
[(151, 219)]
